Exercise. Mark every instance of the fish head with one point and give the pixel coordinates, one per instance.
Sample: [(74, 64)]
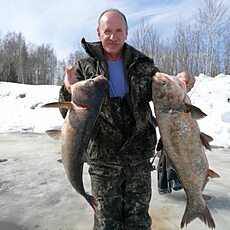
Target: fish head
[(89, 92), (168, 91)]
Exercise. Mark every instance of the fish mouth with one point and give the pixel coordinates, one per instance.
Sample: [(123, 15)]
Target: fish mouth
[(82, 107), (161, 80)]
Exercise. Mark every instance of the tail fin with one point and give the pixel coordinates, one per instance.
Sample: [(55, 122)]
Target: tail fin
[(204, 215)]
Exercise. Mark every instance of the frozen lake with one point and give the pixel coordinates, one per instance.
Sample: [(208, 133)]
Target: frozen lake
[(36, 195)]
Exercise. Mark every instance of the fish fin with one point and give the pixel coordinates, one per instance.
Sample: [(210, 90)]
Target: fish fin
[(213, 174), (54, 133), (205, 140), (207, 137), (60, 161), (92, 201), (195, 111), (204, 215), (64, 105)]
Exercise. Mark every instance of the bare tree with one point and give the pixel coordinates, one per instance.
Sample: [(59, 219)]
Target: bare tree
[(13, 58), (183, 46), (58, 80), (226, 48), (43, 63), (146, 39), (23, 63), (210, 20)]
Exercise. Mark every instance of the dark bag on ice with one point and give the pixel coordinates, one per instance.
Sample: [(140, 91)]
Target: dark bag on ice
[(167, 178)]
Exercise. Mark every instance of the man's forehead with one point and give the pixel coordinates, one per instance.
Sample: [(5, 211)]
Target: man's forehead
[(110, 15)]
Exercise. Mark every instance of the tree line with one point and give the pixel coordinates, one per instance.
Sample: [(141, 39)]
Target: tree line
[(26, 63), (199, 46)]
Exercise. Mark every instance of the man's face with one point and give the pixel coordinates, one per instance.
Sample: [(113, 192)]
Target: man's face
[(112, 32)]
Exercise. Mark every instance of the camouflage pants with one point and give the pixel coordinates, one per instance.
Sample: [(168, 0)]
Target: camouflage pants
[(123, 194)]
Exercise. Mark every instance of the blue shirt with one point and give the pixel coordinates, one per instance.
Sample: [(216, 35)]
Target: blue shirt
[(118, 85)]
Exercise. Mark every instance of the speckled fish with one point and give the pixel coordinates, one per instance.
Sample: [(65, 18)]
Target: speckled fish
[(183, 143), (87, 98)]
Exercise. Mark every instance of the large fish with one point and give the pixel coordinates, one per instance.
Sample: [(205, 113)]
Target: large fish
[(87, 98), (183, 143)]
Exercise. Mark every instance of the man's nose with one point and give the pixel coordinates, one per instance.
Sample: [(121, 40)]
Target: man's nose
[(113, 37)]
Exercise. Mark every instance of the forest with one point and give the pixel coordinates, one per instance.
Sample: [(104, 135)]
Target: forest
[(198, 46)]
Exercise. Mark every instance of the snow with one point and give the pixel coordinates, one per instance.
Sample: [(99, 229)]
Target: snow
[(21, 112), (212, 95)]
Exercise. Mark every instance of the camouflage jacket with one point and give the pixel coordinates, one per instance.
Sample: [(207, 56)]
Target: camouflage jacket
[(108, 142)]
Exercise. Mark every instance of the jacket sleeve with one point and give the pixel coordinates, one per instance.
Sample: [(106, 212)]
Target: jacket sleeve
[(64, 95)]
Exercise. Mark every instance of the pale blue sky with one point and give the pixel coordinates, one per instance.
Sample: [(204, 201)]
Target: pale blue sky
[(62, 23)]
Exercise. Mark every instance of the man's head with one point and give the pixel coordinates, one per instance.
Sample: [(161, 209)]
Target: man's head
[(112, 31)]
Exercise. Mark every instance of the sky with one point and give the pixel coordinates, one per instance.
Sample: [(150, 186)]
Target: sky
[(23, 113), (63, 23)]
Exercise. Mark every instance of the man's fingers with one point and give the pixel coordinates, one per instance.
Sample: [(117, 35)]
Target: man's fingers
[(69, 69), (159, 74)]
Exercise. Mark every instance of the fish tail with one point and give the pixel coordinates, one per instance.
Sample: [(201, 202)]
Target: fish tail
[(92, 201), (204, 215)]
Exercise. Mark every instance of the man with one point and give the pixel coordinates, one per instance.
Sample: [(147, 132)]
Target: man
[(124, 136)]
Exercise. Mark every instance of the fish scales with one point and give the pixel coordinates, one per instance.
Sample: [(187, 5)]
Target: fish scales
[(182, 143), (87, 99)]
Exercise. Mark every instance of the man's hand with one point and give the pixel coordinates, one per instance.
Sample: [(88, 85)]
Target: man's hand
[(70, 77), (188, 79)]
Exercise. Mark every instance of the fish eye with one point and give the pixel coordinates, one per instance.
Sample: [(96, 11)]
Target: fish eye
[(163, 83), (90, 82)]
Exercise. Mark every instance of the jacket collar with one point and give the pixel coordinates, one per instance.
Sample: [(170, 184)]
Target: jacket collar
[(95, 50)]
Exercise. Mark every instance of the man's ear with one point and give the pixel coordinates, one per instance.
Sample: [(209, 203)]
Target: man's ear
[(98, 34)]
